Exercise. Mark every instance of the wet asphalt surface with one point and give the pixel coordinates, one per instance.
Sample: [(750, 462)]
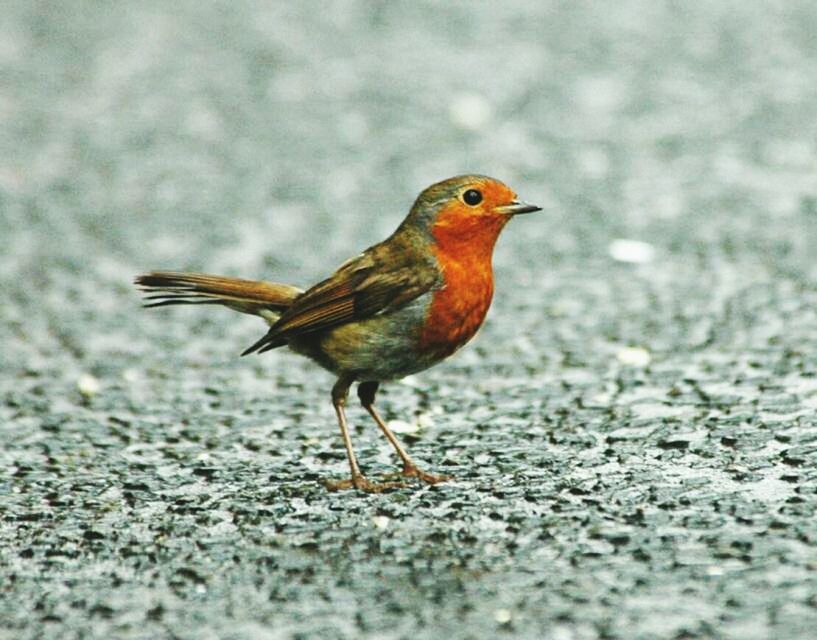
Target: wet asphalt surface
[(634, 432)]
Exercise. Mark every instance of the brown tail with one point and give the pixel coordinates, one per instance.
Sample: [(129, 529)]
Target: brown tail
[(265, 299)]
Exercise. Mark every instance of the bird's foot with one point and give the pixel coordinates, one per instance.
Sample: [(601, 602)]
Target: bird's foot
[(361, 483), (411, 471)]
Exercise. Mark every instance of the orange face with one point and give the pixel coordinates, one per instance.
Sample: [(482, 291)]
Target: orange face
[(467, 223), (471, 219), (482, 196), (463, 201)]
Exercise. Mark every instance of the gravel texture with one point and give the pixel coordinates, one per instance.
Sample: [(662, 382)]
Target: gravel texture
[(633, 433)]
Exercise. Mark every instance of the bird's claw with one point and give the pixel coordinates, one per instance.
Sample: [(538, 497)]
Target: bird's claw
[(410, 471), (361, 483)]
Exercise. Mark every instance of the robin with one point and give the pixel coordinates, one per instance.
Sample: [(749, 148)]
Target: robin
[(399, 307)]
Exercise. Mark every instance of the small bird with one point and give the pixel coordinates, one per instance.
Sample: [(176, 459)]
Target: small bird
[(398, 308)]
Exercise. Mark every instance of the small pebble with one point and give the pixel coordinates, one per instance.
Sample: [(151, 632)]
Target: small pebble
[(424, 421), (634, 356), (502, 616), (401, 426), (88, 385), (632, 251), (470, 111)]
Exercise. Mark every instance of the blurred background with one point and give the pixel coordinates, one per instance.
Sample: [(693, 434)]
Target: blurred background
[(653, 331)]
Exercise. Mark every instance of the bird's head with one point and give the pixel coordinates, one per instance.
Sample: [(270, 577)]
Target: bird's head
[(469, 210)]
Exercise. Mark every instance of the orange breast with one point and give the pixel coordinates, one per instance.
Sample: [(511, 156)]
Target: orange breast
[(463, 247)]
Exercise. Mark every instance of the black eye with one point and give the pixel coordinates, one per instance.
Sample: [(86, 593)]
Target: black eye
[(472, 197)]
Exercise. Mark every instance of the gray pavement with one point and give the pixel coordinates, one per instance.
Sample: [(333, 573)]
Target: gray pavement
[(633, 433)]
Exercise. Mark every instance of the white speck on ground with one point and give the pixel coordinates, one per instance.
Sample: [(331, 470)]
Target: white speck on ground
[(470, 111), (634, 356), (632, 251), (88, 385)]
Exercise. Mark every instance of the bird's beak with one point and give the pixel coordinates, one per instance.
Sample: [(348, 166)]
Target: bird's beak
[(515, 207)]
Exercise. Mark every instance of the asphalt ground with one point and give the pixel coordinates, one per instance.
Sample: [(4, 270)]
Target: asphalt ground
[(633, 433)]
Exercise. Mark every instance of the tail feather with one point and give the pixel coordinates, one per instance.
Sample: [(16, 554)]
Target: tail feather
[(265, 299)]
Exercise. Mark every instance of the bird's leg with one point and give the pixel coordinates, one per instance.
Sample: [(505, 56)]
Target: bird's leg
[(358, 481), (366, 392)]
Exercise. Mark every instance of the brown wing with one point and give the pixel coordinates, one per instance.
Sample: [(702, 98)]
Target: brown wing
[(377, 281)]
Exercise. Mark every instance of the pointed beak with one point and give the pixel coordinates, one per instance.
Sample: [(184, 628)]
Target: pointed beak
[(516, 207)]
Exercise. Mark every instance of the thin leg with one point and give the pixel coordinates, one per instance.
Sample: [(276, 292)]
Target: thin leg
[(358, 481), (366, 391), (339, 394)]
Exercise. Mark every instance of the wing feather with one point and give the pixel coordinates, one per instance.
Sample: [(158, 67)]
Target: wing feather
[(378, 281)]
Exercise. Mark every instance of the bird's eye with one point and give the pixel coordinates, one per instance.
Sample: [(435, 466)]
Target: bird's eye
[(472, 197)]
